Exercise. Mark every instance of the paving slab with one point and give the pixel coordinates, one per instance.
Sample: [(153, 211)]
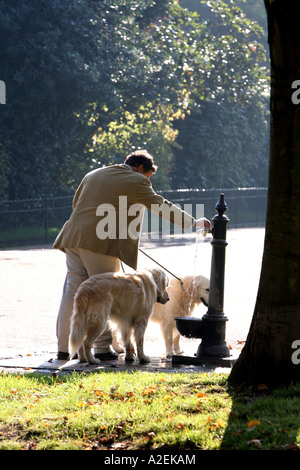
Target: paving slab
[(38, 363)]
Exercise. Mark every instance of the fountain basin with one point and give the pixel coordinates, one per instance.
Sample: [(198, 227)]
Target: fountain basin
[(190, 327)]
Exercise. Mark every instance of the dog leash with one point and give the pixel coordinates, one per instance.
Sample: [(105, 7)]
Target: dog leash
[(152, 259), (204, 233), (144, 253)]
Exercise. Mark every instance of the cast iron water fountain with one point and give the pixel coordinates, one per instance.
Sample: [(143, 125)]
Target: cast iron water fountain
[(211, 327)]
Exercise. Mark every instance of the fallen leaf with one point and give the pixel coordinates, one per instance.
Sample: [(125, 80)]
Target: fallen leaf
[(198, 407), (255, 442), (149, 390), (220, 423), (120, 445), (262, 388), (100, 393), (291, 447), (253, 423)]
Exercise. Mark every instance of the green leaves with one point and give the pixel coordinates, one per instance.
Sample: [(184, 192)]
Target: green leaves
[(89, 81)]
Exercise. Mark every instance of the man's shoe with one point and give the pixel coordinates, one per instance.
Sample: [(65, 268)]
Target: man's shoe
[(108, 356), (62, 356)]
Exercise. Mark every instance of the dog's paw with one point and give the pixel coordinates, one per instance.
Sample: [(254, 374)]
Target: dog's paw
[(94, 360), (129, 354), (144, 359), (166, 359), (81, 358), (169, 354), (118, 349), (179, 352), (129, 358)]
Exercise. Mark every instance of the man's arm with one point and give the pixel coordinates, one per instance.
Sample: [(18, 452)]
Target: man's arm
[(154, 202)]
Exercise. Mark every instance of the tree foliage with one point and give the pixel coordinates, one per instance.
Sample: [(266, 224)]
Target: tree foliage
[(225, 138), (89, 81)]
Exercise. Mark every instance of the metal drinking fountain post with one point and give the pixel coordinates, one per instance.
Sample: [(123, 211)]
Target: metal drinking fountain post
[(212, 326), (213, 342)]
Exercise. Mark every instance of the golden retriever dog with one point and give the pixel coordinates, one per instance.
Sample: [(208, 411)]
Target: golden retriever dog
[(126, 299), (184, 297)]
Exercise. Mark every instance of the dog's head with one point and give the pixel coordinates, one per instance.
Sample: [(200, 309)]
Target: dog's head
[(198, 287), (202, 287), (162, 281)]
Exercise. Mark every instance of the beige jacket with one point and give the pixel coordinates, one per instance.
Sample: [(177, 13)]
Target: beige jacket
[(98, 221)]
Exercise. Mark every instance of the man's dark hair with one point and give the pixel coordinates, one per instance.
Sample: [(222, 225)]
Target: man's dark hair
[(141, 157)]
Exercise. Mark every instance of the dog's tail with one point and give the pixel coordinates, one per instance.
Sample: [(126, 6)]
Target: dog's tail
[(78, 323)]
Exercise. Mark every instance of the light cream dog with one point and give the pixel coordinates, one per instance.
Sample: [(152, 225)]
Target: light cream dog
[(126, 299), (184, 297)]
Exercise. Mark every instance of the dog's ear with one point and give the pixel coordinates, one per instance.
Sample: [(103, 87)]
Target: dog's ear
[(160, 278), (157, 274)]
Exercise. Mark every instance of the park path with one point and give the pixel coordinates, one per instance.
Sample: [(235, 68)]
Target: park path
[(31, 284)]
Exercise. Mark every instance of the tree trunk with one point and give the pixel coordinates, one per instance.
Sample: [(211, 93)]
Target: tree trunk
[(270, 353)]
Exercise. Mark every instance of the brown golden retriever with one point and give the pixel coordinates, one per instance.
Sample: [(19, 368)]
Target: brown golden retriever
[(126, 299)]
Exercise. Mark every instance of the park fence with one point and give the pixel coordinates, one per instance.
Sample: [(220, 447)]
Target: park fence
[(38, 221)]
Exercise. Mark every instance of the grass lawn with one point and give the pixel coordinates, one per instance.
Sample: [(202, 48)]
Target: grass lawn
[(144, 411)]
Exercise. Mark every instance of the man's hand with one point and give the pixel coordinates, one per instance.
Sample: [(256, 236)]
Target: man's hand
[(201, 223)]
